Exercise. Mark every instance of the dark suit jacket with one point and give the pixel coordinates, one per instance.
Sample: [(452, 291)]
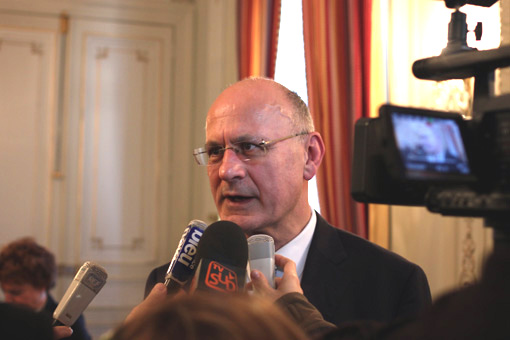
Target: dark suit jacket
[(478, 311), (349, 278), (155, 276)]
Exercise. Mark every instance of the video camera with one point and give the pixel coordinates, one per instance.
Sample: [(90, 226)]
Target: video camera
[(451, 164)]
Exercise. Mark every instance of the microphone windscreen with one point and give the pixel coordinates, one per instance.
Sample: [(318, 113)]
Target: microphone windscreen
[(260, 246), (261, 256), (225, 242), (223, 255)]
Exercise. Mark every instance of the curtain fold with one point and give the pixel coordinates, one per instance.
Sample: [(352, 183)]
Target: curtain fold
[(337, 53), (258, 26), (379, 214)]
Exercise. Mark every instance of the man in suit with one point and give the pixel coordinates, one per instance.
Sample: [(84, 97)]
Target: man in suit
[(261, 150)]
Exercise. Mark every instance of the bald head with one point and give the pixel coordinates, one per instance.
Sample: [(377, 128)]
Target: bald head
[(256, 91)]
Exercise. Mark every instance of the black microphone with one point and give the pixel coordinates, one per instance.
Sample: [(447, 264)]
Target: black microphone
[(183, 264), (86, 284), (223, 255)]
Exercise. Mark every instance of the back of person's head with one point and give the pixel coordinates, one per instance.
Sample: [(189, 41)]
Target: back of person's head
[(213, 316), (25, 262)]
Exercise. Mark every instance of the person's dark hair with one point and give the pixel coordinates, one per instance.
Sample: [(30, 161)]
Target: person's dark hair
[(25, 261), (213, 316)]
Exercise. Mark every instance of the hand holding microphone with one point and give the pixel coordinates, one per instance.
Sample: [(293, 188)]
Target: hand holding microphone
[(62, 332), (288, 283), (157, 295)]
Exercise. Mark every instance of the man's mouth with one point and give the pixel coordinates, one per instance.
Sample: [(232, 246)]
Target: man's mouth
[(237, 199)]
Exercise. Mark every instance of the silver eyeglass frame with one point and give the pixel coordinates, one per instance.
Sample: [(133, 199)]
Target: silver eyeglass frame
[(202, 158)]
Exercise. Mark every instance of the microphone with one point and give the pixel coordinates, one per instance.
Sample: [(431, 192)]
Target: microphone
[(223, 256), (183, 264), (86, 284), (261, 255)]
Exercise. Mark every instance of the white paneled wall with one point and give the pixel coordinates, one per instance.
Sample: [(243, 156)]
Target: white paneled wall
[(28, 64), (99, 114), (120, 136)]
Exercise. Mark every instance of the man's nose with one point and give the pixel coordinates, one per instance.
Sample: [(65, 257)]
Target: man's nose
[(232, 166)]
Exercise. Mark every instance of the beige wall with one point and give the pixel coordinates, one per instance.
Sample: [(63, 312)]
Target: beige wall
[(98, 123)]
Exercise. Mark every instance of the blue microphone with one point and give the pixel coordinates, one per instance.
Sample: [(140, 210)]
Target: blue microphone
[(183, 264)]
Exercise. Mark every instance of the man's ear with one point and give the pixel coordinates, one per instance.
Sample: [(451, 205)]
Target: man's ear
[(314, 152)]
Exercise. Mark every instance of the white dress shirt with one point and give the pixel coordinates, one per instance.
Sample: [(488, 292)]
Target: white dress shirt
[(297, 248)]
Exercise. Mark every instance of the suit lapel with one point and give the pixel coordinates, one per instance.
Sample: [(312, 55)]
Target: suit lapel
[(322, 280)]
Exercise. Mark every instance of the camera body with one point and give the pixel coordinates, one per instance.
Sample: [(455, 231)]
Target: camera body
[(453, 165)]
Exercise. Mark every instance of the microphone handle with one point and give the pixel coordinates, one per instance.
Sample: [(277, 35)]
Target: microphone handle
[(56, 323)]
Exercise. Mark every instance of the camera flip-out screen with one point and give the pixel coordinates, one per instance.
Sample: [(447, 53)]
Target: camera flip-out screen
[(406, 151), (430, 144)]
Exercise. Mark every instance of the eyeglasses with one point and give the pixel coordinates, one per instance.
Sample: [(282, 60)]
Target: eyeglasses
[(245, 150)]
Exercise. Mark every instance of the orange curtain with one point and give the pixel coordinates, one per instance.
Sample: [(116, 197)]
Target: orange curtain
[(259, 23), (337, 50)]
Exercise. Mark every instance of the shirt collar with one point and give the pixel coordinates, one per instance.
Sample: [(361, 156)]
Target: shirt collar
[(297, 248)]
